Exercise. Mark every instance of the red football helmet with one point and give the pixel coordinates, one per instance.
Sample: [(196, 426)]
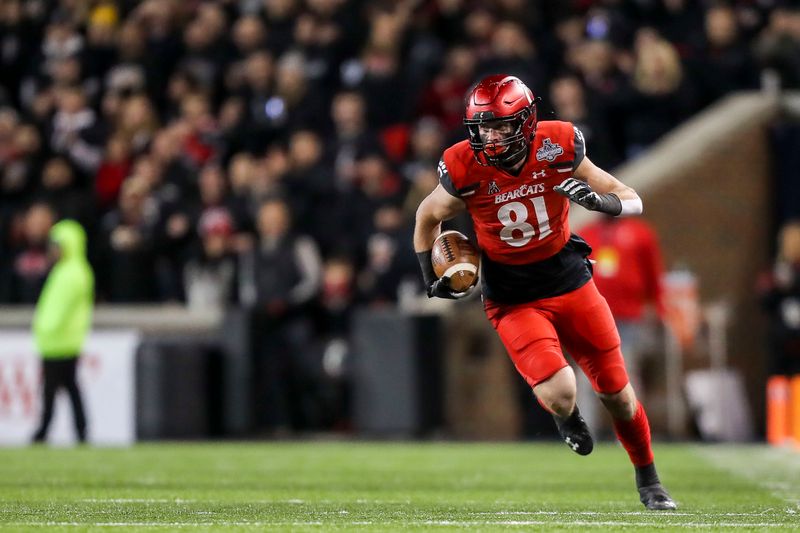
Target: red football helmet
[(501, 99)]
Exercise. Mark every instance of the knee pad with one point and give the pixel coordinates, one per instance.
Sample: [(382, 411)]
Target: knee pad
[(610, 378), (539, 361)]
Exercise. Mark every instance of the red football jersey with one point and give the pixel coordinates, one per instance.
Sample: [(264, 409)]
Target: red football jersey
[(629, 266), (518, 219)]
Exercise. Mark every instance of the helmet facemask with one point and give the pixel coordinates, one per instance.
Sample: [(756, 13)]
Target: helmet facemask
[(509, 150)]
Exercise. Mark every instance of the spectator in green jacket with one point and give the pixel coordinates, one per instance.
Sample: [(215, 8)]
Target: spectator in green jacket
[(62, 319)]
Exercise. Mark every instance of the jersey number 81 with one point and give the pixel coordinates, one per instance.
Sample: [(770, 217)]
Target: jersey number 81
[(516, 230)]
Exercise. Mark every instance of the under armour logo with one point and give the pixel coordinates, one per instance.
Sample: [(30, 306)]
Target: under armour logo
[(493, 188), (539, 174), (573, 445)]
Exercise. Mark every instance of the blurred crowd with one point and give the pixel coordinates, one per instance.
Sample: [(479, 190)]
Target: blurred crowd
[(271, 153)]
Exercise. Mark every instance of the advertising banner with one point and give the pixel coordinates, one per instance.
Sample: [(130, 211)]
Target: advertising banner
[(106, 378)]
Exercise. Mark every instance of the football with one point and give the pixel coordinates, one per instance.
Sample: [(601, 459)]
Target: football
[(454, 256)]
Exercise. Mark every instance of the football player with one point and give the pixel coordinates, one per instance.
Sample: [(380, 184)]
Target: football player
[(516, 176)]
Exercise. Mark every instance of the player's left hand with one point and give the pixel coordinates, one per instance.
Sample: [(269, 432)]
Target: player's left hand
[(579, 192), (441, 288)]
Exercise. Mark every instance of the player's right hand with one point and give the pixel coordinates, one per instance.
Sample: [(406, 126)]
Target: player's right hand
[(440, 288)]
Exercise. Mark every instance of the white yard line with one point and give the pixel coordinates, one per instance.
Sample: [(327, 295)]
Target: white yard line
[(456, 523), (612, 523), (618, 513), (477, 513), (136, 500), (293, 501)]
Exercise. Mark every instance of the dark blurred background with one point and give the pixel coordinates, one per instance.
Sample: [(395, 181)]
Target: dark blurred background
[(256, 165)]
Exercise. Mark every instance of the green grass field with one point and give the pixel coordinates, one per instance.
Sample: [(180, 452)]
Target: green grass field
[(324, 486)]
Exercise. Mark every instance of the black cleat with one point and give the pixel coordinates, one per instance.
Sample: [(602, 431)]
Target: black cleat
[(575, 432), (656, 498)]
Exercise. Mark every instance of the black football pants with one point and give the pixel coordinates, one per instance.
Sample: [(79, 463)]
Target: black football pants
[(61, 373)]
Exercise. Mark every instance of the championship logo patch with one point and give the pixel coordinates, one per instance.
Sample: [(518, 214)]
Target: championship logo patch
[(548, 151), (493, 188)]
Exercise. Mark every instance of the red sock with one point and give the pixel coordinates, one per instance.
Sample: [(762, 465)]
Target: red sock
[(634, 435)]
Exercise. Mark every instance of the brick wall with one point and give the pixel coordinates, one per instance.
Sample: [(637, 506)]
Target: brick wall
[(707, 189), (715, 219)]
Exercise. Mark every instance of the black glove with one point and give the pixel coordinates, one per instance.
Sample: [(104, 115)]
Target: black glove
[(438, 287), (583, 195)]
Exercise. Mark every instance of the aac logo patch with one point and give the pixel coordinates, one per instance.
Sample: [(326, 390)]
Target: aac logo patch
[(548, 151)]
